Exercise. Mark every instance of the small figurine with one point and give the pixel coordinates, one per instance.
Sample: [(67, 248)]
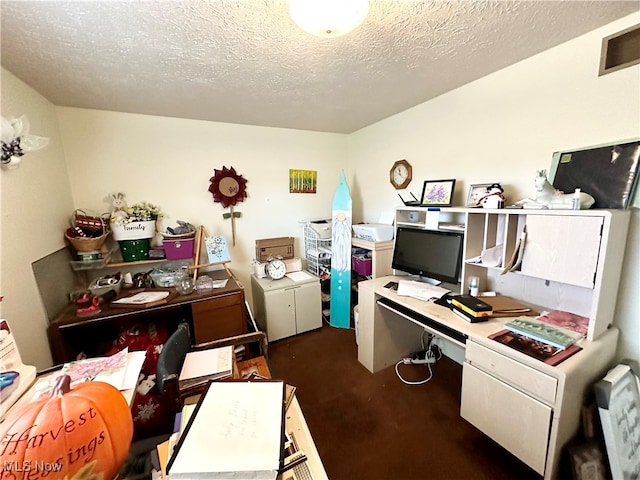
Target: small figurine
[(548, 197), (119, 207), (493, 198)]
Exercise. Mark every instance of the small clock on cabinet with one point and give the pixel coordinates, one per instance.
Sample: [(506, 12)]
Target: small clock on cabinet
[(400, 174)]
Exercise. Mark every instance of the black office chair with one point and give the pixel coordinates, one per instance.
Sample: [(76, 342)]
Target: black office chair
[(175, 350), (170, 362)]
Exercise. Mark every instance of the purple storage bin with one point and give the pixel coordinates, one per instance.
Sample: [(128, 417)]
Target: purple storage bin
[(362, 265), (178, 249)]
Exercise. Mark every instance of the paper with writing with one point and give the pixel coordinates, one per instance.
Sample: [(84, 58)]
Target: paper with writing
[(236, 431)]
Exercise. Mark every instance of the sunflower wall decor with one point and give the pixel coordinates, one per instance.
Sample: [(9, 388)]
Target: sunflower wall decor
[(229, 189)]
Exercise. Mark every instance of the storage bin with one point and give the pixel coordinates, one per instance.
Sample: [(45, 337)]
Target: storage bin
[(135, 250), (178, 249), (362, 265)]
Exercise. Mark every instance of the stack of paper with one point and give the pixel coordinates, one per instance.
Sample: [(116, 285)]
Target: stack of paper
[(236, 431), (200, 366)]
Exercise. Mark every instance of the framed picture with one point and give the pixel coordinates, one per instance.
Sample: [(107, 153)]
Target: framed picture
[(606, 172), (618, 399), (438, 193), (476, 192)]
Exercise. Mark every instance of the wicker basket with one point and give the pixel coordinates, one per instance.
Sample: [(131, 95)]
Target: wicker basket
[(90, 222), (86, 222)]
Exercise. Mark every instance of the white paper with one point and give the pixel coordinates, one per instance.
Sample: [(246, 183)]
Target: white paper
[(201, 363), (298, 276), (236, 429), (142, 298), (420, 290)]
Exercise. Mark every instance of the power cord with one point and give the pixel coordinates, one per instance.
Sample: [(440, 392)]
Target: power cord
[(428, 355)]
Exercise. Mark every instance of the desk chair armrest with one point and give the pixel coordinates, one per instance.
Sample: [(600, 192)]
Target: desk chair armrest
[(237, 340)]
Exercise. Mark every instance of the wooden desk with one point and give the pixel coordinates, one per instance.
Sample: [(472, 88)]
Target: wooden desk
[(216, 314)]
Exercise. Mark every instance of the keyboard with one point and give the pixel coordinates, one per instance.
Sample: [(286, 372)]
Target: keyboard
[(420, 290)]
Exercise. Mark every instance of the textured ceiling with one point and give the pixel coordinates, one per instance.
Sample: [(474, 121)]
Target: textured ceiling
[(246, 62)]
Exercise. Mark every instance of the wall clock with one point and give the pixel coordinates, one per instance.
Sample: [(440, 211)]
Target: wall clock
[(400, 174)]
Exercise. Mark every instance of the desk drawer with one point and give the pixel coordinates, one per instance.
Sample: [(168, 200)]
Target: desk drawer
[(219, 318), (215, 303), (537, 384)]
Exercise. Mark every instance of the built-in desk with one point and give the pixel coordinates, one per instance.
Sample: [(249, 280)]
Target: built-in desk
[(530, 408), (218, 313)]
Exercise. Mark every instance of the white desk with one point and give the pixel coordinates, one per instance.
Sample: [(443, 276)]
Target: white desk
[(542, 402)]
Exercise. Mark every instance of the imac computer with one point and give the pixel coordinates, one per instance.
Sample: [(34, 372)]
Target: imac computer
[(434, 255)]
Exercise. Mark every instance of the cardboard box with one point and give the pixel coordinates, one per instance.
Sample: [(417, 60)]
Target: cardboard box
[(281, 246)]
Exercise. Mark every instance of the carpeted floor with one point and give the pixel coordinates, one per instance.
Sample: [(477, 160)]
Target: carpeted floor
[(373, 426)]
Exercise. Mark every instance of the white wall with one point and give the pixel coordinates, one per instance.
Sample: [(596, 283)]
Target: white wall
[(500, 128), (504, 127), (169, 162), (35, 205)]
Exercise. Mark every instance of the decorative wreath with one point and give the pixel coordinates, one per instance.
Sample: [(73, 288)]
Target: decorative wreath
[(227, 187)]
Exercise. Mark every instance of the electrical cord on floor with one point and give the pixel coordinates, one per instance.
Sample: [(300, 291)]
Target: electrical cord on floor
[(419, 382), (432, 354)]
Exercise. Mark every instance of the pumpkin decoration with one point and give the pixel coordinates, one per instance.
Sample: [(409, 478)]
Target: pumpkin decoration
[(82, 432)]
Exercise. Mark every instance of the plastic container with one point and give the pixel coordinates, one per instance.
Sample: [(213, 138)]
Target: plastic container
[(168, 274), (362, 265), (102, 285), (89, 256), (178, 249), (133, 230), (135, 250)]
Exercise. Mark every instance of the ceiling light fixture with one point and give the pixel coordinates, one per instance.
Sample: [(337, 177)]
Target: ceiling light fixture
[(328, 18)]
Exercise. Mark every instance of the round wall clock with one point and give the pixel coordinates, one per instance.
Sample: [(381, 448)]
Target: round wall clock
[(400, 174)]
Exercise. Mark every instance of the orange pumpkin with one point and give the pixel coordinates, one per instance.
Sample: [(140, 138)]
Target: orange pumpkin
[(80, 432)]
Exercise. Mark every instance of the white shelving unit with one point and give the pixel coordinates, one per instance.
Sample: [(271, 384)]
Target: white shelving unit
[(571, 259), (317, 251)]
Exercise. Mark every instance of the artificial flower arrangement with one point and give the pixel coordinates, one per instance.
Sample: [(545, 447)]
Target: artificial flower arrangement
[(134, 222), (138, 212), (142, 212)]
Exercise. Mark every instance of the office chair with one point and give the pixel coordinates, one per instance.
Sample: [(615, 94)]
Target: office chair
[(175, 351)]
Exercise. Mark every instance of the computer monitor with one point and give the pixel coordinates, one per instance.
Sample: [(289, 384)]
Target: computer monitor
[(431, 254)]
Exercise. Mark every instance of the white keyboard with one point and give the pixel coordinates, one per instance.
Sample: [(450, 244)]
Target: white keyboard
[(420, 290)]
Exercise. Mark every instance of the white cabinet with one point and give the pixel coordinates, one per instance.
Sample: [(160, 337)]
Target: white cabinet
[(514, 420), (284, 308), (563, 249)]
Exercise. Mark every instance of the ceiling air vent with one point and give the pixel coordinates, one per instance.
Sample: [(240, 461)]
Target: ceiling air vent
[(620, 50)]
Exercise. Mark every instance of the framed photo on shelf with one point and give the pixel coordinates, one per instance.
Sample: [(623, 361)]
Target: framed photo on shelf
[(476, 192), (438, 193)]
